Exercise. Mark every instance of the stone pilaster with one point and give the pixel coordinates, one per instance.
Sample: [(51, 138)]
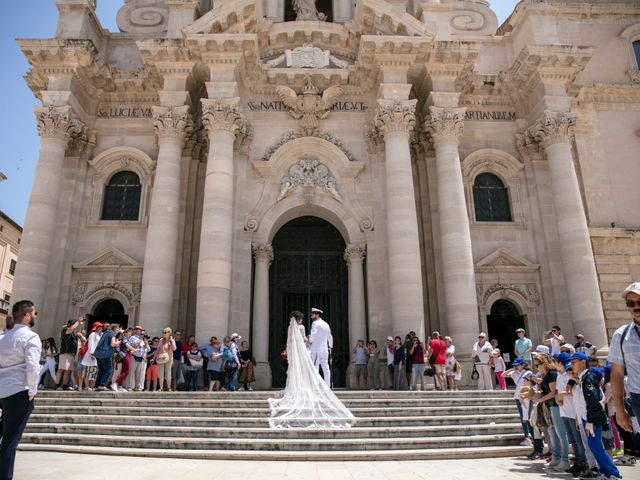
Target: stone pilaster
[(263, 256), (445, 125), (554, 131), (56, 126), (354, 255), (395, 121), (223, 122), (172, 125)]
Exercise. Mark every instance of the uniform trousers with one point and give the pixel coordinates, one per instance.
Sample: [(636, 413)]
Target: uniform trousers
[(16, 409), (605, 464), (321, 359)]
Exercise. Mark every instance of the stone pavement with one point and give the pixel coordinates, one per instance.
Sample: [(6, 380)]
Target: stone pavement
[(64, 466)]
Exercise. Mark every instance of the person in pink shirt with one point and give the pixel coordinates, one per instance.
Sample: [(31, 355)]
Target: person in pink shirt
[(499, 366)]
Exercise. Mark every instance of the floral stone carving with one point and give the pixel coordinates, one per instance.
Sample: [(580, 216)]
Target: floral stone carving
[(308, 172)]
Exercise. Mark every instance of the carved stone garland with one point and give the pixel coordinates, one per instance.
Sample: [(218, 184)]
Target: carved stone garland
[(308, 172)]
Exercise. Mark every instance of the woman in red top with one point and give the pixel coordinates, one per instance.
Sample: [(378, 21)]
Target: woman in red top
[(438, 357)]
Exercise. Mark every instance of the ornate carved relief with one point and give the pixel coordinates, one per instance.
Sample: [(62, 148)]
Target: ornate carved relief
[(554, 127), (445, 124), (172, 122), (527, 291), (223, 114), (355, 253), (309, 107), (143, 16), (57, 122), (308, 172), (263, 253), (287, 137), (395, 116), (85, 290), (307, 56)]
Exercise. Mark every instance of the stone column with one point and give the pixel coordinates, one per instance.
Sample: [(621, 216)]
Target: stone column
[(395, 120), (161, 249), (223, 122), (555, 131), (354, 256), (263, 255), (458, 275), (56, 126)]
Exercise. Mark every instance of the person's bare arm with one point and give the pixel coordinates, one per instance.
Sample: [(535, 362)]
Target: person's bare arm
[(617, 392)]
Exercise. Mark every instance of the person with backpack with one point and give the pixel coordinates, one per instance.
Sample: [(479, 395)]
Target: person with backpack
[(230, 361), (88, 361), (104, 355), (624, 357), (68, 350)]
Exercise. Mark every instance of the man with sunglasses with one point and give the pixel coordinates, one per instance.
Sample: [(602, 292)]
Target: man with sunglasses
[(624, 356), (20, 350)]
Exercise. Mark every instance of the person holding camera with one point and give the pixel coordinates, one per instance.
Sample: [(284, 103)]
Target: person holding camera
[(164, 358), (417, 364), (373, 365), (68, 350)]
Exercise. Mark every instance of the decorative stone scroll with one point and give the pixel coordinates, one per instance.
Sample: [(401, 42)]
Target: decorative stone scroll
[(287, 137), (308, 172), (395, 116), (172, 122), (143, 16), (445, 124), (527, 291), (223, 114), (307, 56), (554, 127)]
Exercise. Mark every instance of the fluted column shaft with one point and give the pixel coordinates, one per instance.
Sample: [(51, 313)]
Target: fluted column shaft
[(555, 132), (223, 121), (395, 121), (161, 249), (458, 275), (354, 256), (56, 126)]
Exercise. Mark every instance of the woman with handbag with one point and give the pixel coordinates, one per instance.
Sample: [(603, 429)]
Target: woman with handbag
[(194, 364), (164, 358), (247, 362)]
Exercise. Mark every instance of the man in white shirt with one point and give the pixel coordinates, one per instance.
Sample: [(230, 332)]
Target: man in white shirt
[(481, 356), (321, 344), (20, 350)]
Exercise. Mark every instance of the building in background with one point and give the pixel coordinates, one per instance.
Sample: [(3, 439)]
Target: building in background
[(10, 235), (401, 165)]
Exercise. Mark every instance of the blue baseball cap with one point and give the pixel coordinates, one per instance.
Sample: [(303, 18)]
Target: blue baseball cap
[(567, 366), (518, 361), (598, 372), (579, 356), (562, 357)]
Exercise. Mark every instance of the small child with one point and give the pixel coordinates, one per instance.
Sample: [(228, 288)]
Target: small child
[(498, 364)]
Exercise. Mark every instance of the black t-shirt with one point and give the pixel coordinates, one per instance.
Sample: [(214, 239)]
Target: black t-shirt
[(68, 342), (177, 354), (245, 355), (550, 377)]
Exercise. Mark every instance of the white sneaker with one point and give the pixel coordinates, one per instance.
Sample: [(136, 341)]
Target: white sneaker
[(561, 466), (250, 389), (241, 389), (121, 389), (114, 386)]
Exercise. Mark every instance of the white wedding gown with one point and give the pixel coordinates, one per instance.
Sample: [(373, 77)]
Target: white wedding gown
[(306, 401)]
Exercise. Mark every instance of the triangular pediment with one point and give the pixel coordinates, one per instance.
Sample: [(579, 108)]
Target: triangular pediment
[(110, 257), (504, 259), (227, 17)]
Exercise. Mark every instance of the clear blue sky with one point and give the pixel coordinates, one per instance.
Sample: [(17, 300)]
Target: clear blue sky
[(18, 135)]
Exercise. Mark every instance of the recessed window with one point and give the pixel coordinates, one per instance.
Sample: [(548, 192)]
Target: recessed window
[(122, 197), (491, 199), (12, 267), (636, 50)]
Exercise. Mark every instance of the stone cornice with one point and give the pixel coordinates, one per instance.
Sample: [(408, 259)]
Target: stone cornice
[(226, 17), (395, 116), (172, 122), (445, 125), (223, 114), (380, 17), (554, 128)]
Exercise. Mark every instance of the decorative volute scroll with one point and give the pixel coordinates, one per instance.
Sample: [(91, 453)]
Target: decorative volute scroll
[(58, 122), (172, 122), (143, 16), (445, 125), (223, 114), (309, 106), (308, 172), (395, 116), (554, 127)]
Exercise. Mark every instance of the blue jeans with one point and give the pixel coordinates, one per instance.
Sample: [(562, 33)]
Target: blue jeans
[(192, 380), (558, 425), (232, 379), (105, 369), (525, 425), (605, 464), (554, 443), (574, 438)]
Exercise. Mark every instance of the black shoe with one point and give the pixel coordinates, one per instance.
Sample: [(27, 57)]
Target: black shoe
[(534, 455), (587, 473), (66, 387)]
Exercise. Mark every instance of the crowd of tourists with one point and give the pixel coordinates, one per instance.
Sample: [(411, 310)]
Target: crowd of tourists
[(112, 358)]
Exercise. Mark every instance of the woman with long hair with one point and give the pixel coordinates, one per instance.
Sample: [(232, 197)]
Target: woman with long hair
[(399, 357), (450, 363), (50, 352), (246, 375)]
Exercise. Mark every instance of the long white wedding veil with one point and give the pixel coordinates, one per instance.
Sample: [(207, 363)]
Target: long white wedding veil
[(306, 401)]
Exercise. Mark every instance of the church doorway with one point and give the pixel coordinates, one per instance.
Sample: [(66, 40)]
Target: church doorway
[(308, 270), (109, 310), (502, 323)]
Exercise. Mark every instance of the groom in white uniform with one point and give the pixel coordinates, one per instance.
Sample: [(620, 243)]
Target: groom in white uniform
[(321, 343)]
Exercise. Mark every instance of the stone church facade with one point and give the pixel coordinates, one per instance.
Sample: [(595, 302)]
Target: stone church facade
[(401, 165)]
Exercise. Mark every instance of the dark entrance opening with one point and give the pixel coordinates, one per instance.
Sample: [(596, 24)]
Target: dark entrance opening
[(502, 322), (308, 270), (110, 311)]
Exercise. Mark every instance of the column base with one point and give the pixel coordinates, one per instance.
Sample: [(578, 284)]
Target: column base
[(263, 376)]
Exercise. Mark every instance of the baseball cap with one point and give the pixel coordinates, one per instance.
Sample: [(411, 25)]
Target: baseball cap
[(518, 330), (518, 361), (633, 288), (579, 356), (563, 357), (390, 338), (96, 326)]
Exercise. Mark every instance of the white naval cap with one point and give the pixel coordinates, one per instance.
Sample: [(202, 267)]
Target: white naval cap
[(316, 310)]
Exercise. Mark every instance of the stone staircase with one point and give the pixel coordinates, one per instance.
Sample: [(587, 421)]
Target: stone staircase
[(224, 425)]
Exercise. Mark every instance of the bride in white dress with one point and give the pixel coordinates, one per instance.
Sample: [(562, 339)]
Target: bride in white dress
[(306, 401)]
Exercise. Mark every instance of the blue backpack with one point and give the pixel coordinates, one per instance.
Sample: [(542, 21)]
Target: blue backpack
[(227, 355)]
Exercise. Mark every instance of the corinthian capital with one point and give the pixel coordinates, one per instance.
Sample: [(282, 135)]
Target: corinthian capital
[(395, 116), (172, 122), (355, 253), (554, 127), (263, 253), (445, 124), (57, 122), (223, 114)]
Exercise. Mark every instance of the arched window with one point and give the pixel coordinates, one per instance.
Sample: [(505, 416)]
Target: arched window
[(636, 50), (491, 199), (122, 197), (108, 307)]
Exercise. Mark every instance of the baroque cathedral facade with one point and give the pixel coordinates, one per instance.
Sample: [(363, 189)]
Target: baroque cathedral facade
[(402, 165)]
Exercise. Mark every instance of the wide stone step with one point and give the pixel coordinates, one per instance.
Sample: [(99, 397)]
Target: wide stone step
[(204, 421), (351, 455), (270, 433), (137, 408), (193, 442)]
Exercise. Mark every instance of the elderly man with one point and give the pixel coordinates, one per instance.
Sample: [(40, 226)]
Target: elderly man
[(624, 353), (20, 350), (481, 356), (523, 347)]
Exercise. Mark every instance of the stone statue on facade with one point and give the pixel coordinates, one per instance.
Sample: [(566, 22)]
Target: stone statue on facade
[(306, 10)]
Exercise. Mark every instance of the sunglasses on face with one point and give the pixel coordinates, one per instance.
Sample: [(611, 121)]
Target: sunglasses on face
[(630, 304)]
